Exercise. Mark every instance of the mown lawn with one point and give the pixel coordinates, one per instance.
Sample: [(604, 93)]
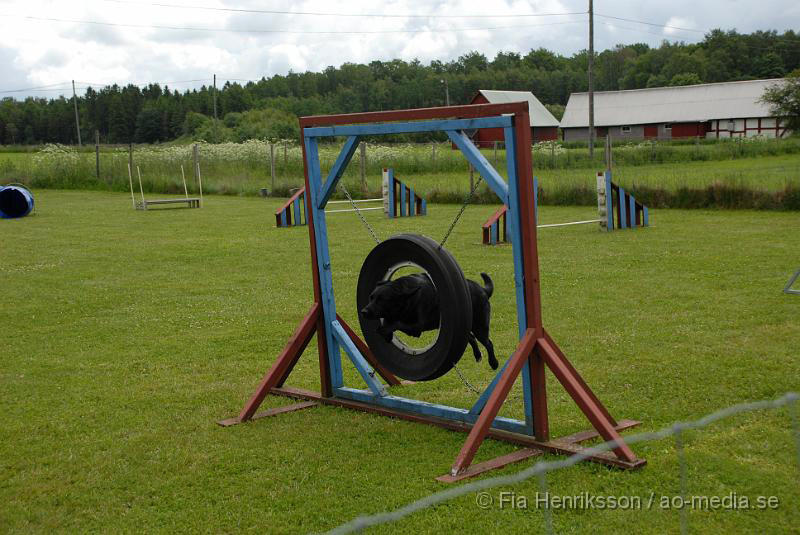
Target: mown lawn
[(126, 335)]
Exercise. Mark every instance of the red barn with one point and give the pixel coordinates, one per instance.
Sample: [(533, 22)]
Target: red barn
[(544, 126)]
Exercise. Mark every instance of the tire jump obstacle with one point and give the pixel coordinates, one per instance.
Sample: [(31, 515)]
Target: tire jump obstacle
[(399, 200), (616, 208), (15, 201), (190, 202), (373, 360)]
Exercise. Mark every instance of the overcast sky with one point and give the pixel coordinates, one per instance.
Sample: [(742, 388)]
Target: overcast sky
[(178, 42)]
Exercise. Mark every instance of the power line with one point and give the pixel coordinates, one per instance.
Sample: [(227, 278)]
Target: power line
[(281, 31), (328, 14), (37, 88), (640, 30), (650, 23)]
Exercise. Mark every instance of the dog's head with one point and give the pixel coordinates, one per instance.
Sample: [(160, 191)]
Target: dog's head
[(390, 298)]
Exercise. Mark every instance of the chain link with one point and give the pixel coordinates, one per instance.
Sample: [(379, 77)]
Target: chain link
[(360, 215), (464, 380), (463, 207)]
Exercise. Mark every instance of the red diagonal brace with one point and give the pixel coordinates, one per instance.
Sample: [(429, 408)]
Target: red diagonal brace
[(286, 361), (583, 397), (496, 399)]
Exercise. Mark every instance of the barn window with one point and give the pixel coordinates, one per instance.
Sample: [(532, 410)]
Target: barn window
[(668, 126), (626, 129)]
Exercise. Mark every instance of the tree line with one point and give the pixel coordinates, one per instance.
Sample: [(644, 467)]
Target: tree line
[(267, 108)]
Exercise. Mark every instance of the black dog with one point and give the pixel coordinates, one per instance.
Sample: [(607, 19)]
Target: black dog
[(409, 305)]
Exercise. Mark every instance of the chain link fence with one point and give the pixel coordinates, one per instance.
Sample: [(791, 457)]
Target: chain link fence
[(541, 469)]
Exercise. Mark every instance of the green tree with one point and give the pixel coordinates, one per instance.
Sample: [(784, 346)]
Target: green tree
[(784, 100), (685, 78)]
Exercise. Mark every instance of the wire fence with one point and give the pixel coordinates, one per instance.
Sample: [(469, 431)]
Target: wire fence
[(542, 468)]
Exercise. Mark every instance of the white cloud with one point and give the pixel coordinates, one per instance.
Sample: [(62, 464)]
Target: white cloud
[(49, 52)]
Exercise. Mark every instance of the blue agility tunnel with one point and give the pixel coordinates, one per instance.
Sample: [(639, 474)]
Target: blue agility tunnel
[(15, 201)]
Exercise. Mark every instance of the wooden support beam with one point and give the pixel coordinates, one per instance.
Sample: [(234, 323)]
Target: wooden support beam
[(496, 399)]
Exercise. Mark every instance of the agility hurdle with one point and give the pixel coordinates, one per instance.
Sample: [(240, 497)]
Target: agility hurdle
[(295, 206), (399, 200), (396, 193), (610, 197), (535, 352), (494, 229), (293, 212)]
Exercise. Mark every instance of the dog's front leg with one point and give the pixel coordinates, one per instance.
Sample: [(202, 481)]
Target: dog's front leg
[(387, 329)]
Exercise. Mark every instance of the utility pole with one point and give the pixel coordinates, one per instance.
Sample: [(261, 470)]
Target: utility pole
[(215, 108), (446, 92), (77, 121), (591, 80)]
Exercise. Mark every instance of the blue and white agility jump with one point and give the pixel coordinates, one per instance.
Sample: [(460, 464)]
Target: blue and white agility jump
[(611, 198), (398, 200)]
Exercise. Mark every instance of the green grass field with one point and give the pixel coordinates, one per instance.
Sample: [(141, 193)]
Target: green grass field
[(126, 335)]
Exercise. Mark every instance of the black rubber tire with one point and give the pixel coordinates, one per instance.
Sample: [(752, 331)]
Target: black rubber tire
[(454, 305)]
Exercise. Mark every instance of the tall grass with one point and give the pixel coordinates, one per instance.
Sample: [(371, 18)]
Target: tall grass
[(760, 170)]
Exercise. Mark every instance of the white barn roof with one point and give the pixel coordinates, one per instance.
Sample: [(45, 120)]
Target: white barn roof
[(540, 117), (705, 102)]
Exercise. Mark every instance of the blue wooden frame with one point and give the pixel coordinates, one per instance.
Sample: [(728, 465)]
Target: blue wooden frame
[(336, 338)]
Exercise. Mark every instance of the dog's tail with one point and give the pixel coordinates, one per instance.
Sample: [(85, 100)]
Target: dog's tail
[(488, 285)]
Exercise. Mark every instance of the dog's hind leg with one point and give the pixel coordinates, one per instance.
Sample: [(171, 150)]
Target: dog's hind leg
[(475, 349), (489, 349)]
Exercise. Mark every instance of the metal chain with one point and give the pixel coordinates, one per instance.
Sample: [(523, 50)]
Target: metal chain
[(360, 215), (463, 207), (464, 380)]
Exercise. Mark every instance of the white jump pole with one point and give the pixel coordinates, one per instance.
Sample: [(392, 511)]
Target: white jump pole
[(139, 173), (130, 181), (183, 176), (568, 224), (351, 210), (355, 200)]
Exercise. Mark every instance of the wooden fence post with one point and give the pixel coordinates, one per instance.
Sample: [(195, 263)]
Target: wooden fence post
[(97, 154), (363, 157), (272, 164), (495, 152)]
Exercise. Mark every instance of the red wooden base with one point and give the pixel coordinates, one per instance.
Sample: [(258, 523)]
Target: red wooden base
[(538, 351), (562, 446), (271, 412)]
